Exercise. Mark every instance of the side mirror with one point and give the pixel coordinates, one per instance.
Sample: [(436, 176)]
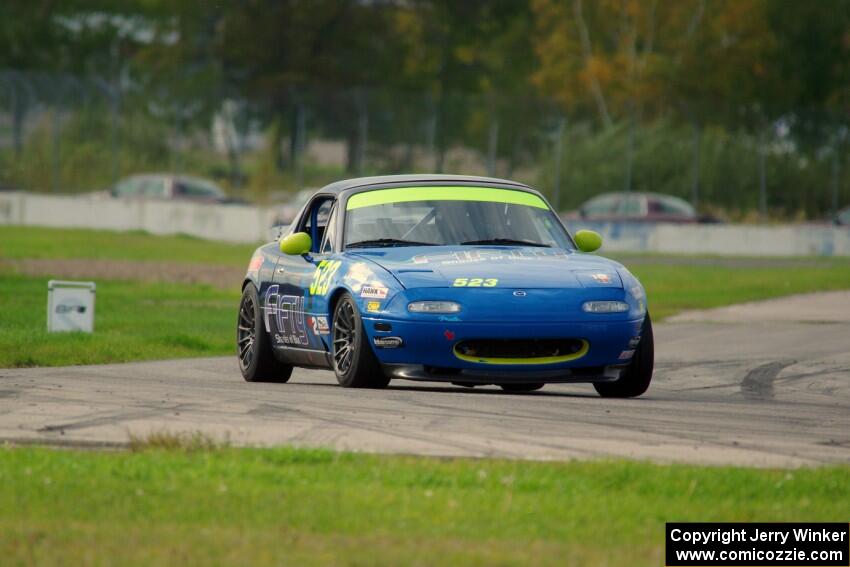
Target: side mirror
[(296, 244), (587, 240)]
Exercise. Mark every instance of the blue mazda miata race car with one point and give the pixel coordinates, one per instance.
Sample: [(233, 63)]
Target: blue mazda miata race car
[(446, 278)]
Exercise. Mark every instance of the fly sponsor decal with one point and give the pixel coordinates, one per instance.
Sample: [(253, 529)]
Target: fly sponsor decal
[(601, 278), (284, 317), (322, 276), (374, 292), (475, 282)]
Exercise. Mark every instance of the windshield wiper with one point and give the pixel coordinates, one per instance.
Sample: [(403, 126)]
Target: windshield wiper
[(507, 241), (382, 242)]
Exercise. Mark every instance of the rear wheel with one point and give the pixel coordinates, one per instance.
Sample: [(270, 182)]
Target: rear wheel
[(256, 360), (521, 387), (355, 364), (635, 379)]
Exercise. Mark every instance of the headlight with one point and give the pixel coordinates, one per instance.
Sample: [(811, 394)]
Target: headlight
[(604, 307), (433, 307)]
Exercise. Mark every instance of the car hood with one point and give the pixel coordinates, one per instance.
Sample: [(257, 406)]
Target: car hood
[(502, 266)]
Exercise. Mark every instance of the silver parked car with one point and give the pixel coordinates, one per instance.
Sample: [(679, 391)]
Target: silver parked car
[(169, 186)]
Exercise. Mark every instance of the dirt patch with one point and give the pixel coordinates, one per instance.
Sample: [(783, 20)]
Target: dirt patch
[(225, 277)]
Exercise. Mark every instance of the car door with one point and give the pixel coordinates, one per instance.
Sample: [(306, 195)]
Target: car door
[(299, 326)]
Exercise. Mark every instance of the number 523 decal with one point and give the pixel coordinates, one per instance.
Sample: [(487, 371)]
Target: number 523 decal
[(475, 282), (322, 276)]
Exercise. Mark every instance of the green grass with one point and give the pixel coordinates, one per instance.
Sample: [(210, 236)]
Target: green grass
[(133, 321), (311, 507), (674, 288), (18, 242), (136, 321)]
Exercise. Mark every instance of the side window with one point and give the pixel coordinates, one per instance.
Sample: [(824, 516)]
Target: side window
[(195, 189), (631, 206), (330, 233), (128, 187), (601, 206), (315, 220), (674, 206), (153, 187)]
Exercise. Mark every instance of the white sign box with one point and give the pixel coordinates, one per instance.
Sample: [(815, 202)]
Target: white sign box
[(70, 306)]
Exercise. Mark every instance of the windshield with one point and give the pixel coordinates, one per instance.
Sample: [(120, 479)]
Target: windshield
[(442, 216)]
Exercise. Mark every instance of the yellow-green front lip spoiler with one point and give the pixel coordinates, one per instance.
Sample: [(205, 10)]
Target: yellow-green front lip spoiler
[(537, 361)]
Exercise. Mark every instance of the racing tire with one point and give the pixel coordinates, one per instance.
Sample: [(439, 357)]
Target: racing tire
[(354, 363), (635, 379), (256, 359), (521, 387)]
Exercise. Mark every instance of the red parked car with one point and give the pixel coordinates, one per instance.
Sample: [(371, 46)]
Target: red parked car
[(638, 207)]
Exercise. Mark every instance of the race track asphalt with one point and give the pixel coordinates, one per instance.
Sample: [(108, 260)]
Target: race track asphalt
[(755, 392)]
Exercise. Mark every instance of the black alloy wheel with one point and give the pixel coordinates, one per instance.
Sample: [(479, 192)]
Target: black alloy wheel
[(257, 362), (354, 362)]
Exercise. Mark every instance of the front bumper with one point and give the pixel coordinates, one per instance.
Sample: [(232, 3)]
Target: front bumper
[(482, 376), (426, 350)]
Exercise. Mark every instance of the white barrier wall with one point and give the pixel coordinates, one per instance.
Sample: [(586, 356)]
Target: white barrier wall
[(242, 223), (234, 223), (722, 239)]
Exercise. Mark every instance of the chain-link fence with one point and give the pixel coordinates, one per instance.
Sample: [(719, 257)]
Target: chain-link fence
[(64, 134)]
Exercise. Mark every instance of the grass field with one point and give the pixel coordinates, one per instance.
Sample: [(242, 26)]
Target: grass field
[(309, 507), (137, 321), (19, 242), (134, 321)]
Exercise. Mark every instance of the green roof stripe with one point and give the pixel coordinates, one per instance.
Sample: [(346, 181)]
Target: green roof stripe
[(408, 194)]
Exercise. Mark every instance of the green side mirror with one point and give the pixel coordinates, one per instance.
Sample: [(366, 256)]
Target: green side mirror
[(296, 244), (588, 240)]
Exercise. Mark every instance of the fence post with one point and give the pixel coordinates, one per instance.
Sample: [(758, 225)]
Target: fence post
[(836, 176), (696, 163), (630, 148), (298, 146), (362, 136), (55, 130), (431, 131), (762, 177), (492, 145), (559, 143)]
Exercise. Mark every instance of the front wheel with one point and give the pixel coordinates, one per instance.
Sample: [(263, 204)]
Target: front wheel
[(635, 379), (256, 359), (354, 362)]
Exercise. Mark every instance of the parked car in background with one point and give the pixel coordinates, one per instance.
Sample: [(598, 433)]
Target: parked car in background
[(843, 217), (639, 207), (169, 186), (286, 212)]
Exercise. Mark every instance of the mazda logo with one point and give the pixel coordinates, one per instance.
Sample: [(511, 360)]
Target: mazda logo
[(519, 293)]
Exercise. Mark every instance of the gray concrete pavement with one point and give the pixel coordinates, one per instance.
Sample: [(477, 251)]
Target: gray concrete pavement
[(823, 307), (761, 393)]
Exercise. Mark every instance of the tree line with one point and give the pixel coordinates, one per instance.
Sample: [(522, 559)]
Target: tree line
[(773, 76)]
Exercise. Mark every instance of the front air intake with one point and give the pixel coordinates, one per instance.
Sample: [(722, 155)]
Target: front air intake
[(521, 351)]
